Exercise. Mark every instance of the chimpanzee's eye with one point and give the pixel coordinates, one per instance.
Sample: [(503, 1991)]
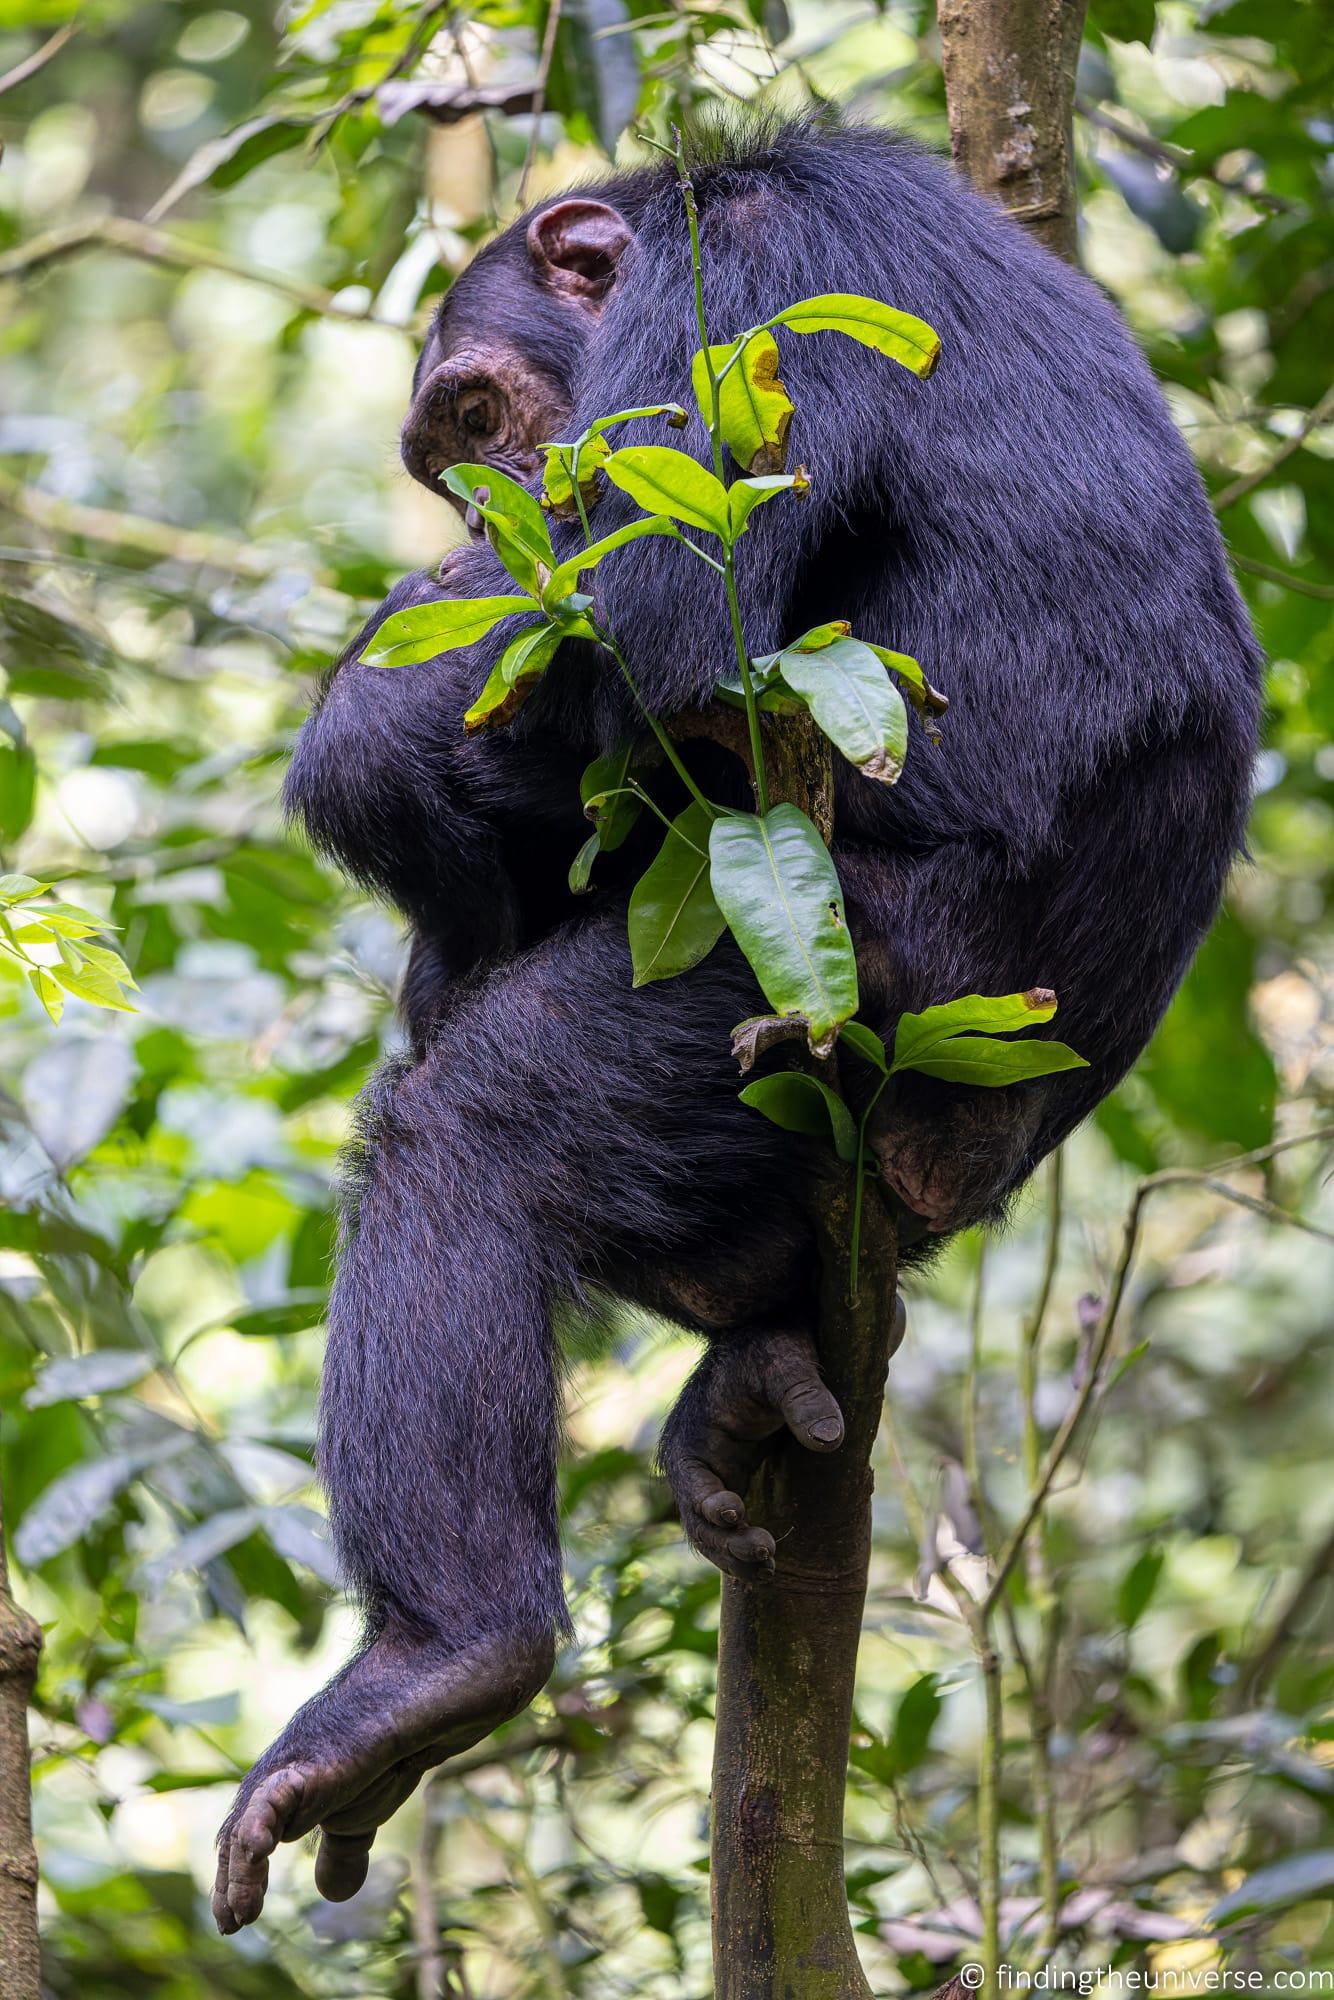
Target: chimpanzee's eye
[(475, 417)]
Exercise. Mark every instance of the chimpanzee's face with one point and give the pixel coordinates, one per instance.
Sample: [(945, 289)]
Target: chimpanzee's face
[(496, 379), (480, 403)]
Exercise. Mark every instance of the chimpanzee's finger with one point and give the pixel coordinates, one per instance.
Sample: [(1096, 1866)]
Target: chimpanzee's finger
[(792, 1383), (341, 1863), (243, 1863), (723, 1509), (714, 1518)]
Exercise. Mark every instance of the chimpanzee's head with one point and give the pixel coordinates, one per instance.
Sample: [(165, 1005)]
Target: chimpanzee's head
[(497, 375)]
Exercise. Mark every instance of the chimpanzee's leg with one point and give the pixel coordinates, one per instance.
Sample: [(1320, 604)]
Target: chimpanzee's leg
[(560, 1127)]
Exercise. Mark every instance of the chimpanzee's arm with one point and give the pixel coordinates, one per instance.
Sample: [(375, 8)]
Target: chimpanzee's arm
[(387, 782)]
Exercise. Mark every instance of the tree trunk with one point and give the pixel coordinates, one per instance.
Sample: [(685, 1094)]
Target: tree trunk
[(787, 1660), (20, 1644), (1010, 91), (787, 1650)]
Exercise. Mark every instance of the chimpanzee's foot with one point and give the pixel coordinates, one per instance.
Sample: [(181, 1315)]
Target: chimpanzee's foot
[(352, 1755), (745, 1390)]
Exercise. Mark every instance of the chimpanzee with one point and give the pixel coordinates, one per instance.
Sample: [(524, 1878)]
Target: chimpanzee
[(1029, 525)]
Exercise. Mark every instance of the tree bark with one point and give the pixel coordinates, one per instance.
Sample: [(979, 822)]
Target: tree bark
[(787, 1660), (20, 1644), (1010, 91), (787, 1649)]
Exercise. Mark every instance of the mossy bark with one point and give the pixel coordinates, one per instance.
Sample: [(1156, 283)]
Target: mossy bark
[(787, 1663), (20, 1645), (1010, 91)]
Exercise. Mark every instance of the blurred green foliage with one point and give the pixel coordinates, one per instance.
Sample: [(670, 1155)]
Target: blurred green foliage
[(198, 472)]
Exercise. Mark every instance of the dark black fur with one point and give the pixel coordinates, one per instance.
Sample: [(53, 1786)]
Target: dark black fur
[(1030, 526)]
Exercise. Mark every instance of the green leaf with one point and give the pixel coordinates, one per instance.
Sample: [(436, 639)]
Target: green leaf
[(855, 703), (1126, 20), (802, 1103), (19, 888), (301, 1309), (50, 995), (898, 335), (754, 409), (516, 527), (92, 983), (866, 1043), (809, 642), (1301, 1878), (613, 816), (513, 677), (914, 1721), (564, 579), (674, 920), (73, 1376), (202, 1544), (776, 885), (1137, 1587), (979, 1059), (991, 1014), (424, 630), (558, 478), (663, 481), (69, 1506), (580, 877), (928, 701), (745, 495)]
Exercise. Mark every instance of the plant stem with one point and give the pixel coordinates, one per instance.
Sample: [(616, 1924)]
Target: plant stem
[(972, 1463), (859, 1194), (747, 685), (988, 1805), (669, 750), (716, 445), (1042, 1586)]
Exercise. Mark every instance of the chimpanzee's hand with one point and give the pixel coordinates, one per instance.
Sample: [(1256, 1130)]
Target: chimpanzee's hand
[(349, 1758), (743, 1393)]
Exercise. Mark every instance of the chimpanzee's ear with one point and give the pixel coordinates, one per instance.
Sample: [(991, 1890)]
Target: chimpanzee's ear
[(576, 247)]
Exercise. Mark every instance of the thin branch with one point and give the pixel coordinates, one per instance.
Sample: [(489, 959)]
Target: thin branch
[(1239, 488), (39, 58), (1269, 574), (415, 46), (539, 95), (1178, 158), (1254, 1673), (1102, 1341), (146, 537), (140, 239)]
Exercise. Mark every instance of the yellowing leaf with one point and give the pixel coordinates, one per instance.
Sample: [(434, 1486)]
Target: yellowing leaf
[(899, 335), (754, 409), (558, 480), (513, 678)]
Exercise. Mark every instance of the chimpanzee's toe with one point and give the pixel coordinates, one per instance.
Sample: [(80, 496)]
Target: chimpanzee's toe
[(745, 1391)]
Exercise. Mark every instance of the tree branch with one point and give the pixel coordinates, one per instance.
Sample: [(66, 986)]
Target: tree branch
[(146, 537), (155, 246), (1240, 488), (1178, 158), (39, 58), (1269, 574)]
